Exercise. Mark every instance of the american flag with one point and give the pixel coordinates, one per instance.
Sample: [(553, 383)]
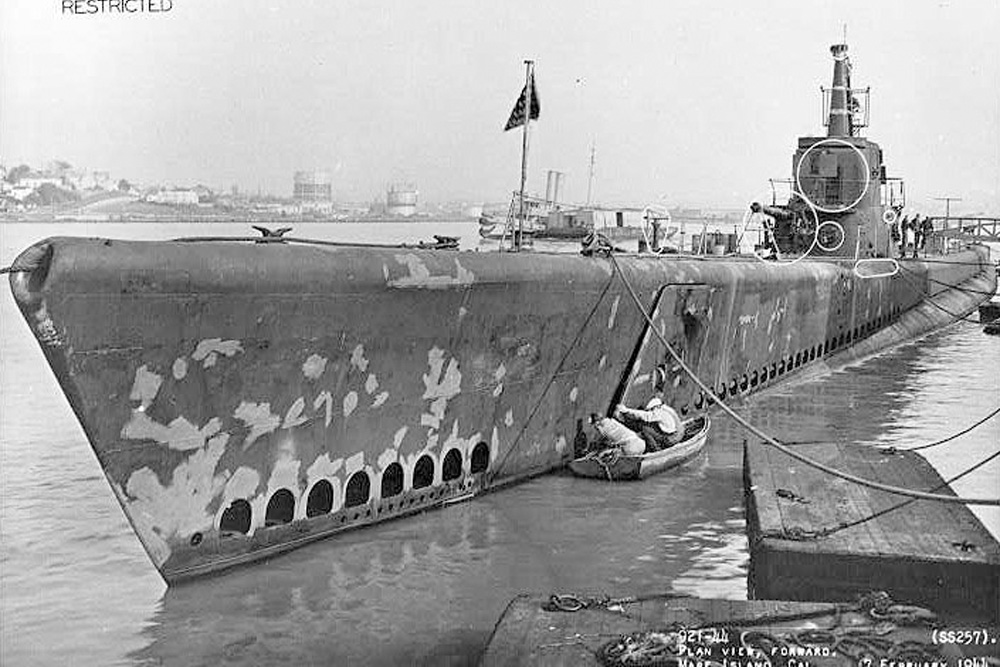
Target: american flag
[(517, 115)]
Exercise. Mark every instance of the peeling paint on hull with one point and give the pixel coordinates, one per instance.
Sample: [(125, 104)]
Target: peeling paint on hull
[(292, 392)]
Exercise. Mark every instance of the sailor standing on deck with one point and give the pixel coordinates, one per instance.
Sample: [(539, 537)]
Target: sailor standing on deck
[(909, 236), (926, 230), (659, 425)]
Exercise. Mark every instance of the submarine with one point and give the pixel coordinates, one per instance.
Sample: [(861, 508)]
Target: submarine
[(245, 397)]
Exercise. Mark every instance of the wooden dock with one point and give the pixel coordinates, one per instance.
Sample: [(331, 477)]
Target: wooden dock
[(688, 632), (930, 553)]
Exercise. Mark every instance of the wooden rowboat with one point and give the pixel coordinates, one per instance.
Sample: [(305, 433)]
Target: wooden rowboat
[(613, 465)]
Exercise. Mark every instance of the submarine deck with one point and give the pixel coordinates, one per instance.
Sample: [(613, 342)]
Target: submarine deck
[(816, 537)]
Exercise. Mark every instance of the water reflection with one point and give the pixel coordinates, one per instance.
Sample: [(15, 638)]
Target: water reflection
[(407, 591)]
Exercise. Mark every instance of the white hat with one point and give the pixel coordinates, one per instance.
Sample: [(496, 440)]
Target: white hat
[(654, 402)]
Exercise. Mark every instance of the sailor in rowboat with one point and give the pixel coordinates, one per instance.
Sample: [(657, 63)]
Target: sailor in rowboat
[(616, 435), (659, 425)]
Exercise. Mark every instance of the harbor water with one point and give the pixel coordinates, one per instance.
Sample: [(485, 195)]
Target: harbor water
[(77, 588)]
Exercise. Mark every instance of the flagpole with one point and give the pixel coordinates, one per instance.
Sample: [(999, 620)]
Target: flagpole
[(524, 149)]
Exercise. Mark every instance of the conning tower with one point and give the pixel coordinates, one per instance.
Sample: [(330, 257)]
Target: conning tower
[(843, 174)]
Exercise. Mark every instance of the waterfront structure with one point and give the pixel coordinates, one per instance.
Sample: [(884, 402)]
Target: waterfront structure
[(401, 199), (312, 186), (247, 397)]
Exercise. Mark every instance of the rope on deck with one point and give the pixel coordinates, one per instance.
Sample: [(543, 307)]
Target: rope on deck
[(888, 488)]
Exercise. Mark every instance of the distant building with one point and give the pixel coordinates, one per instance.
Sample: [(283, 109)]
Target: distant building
[(174, 197), (35, 182), (84, 180), (314, 186), (401, 199)]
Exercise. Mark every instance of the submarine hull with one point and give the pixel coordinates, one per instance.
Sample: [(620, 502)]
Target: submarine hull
[(246, 398)]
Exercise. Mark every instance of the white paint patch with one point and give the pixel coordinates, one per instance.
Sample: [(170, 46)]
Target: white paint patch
[(387, 458), (314, 366), (420, 276), (294, 415), (259, 418), (498, 390), (462, 312), (354, 463), (371, 384), (603, 361), (180, 368), (494, 445), (145, 386), (614, 312), (641, 379), (561, 444), (179, 509), (242, 484), (508, 419), (284, 475), (436, 384), (209, 349), (397, 439), (358, 358), (180, 434), (350, 402), (573, 393), (325, 398), (323, 468), (380, 399), (500, 372)]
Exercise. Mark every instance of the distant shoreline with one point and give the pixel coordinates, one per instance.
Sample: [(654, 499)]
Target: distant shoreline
[(272, 220)]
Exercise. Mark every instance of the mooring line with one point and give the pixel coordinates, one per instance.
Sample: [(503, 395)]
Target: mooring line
[(857, 522), (968, 290), (555, 374), (922, 495), (928, 299), (952, 437), (279, 240), (994, 413), (945, 261)]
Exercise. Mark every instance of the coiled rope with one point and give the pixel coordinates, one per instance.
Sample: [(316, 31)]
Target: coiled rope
[(923, 495), (857, 639)]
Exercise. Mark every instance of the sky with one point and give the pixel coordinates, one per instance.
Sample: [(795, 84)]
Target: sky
[(684, 103)]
